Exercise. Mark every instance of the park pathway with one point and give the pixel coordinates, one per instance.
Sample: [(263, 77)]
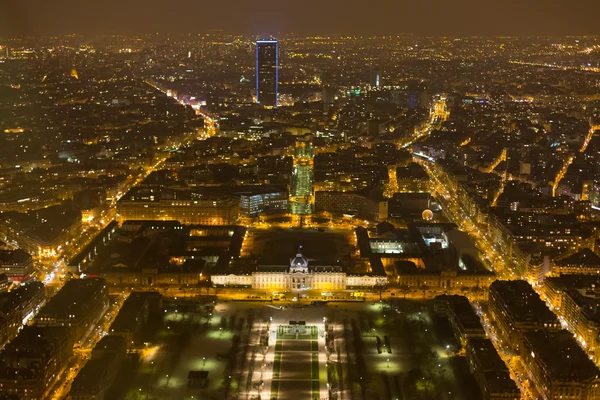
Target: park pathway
[(296, 366)]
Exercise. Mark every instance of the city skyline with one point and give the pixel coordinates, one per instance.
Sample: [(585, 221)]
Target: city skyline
[(311, 217)]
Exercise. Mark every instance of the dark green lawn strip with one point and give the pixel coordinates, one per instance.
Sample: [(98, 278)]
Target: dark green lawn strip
[(274, 390)]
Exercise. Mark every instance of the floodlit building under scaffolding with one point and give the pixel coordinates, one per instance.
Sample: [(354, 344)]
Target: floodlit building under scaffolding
[(301, 193)]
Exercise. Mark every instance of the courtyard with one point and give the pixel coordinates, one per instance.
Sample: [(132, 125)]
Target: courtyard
[(277, 245)]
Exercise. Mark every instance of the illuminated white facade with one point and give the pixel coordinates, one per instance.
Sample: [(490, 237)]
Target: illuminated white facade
[(298, 276)]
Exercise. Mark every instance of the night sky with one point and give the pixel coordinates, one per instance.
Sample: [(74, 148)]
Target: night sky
[(422, 17)]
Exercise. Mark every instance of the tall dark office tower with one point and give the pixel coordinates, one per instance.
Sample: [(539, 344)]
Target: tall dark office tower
[(267, 72)]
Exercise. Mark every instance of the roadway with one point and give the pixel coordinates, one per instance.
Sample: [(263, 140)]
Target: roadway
[(53, 270), (83, 349), (492, 258), (455, 210), (447, 196)]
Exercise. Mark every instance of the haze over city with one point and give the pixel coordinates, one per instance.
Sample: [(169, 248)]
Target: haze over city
[(429, 17)]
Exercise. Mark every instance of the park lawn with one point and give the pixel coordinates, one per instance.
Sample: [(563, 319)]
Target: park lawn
[(315, 366), (323, 377), (277, 366), (314, 332), (275, 389), (316, 390), (293, 336), (314, 345), (278, 346)]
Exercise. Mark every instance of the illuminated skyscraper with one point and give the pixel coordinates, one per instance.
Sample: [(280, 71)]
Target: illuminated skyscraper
[(267, 72), (375, 78), (301, 192)]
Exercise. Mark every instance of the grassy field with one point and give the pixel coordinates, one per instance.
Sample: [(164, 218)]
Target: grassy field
[(296, 366)]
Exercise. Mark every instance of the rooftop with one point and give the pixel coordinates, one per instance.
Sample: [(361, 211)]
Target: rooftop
[(111, 343), (584, 258), (73, 298), (522, 302), (500, 382), (464, 313), (91, 378), (126, 319), (33, 348), (485, 353), (18, 296), (45, 224), (12, 257), (574, 281), (564, 360)]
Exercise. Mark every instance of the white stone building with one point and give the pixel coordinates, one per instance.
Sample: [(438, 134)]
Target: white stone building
[(298, 277)]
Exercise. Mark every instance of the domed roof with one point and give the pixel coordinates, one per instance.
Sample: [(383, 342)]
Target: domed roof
[(299, 262)]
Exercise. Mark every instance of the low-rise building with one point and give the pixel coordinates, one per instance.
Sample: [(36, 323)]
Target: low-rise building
[(298, 276), (427, 256), (30, 363), (89, 252), (185, 206), (581, 313), (445, 278), (168, 276), (576, 300), (490, 371), (4, 283), (42, 232), (558, 367), (351, 203), (17, 265), (584, 262), (516, 308), (18, 306), (258, 200), (412, 179), (77, 306), (461, 315), (135, 314), (96, 377)]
